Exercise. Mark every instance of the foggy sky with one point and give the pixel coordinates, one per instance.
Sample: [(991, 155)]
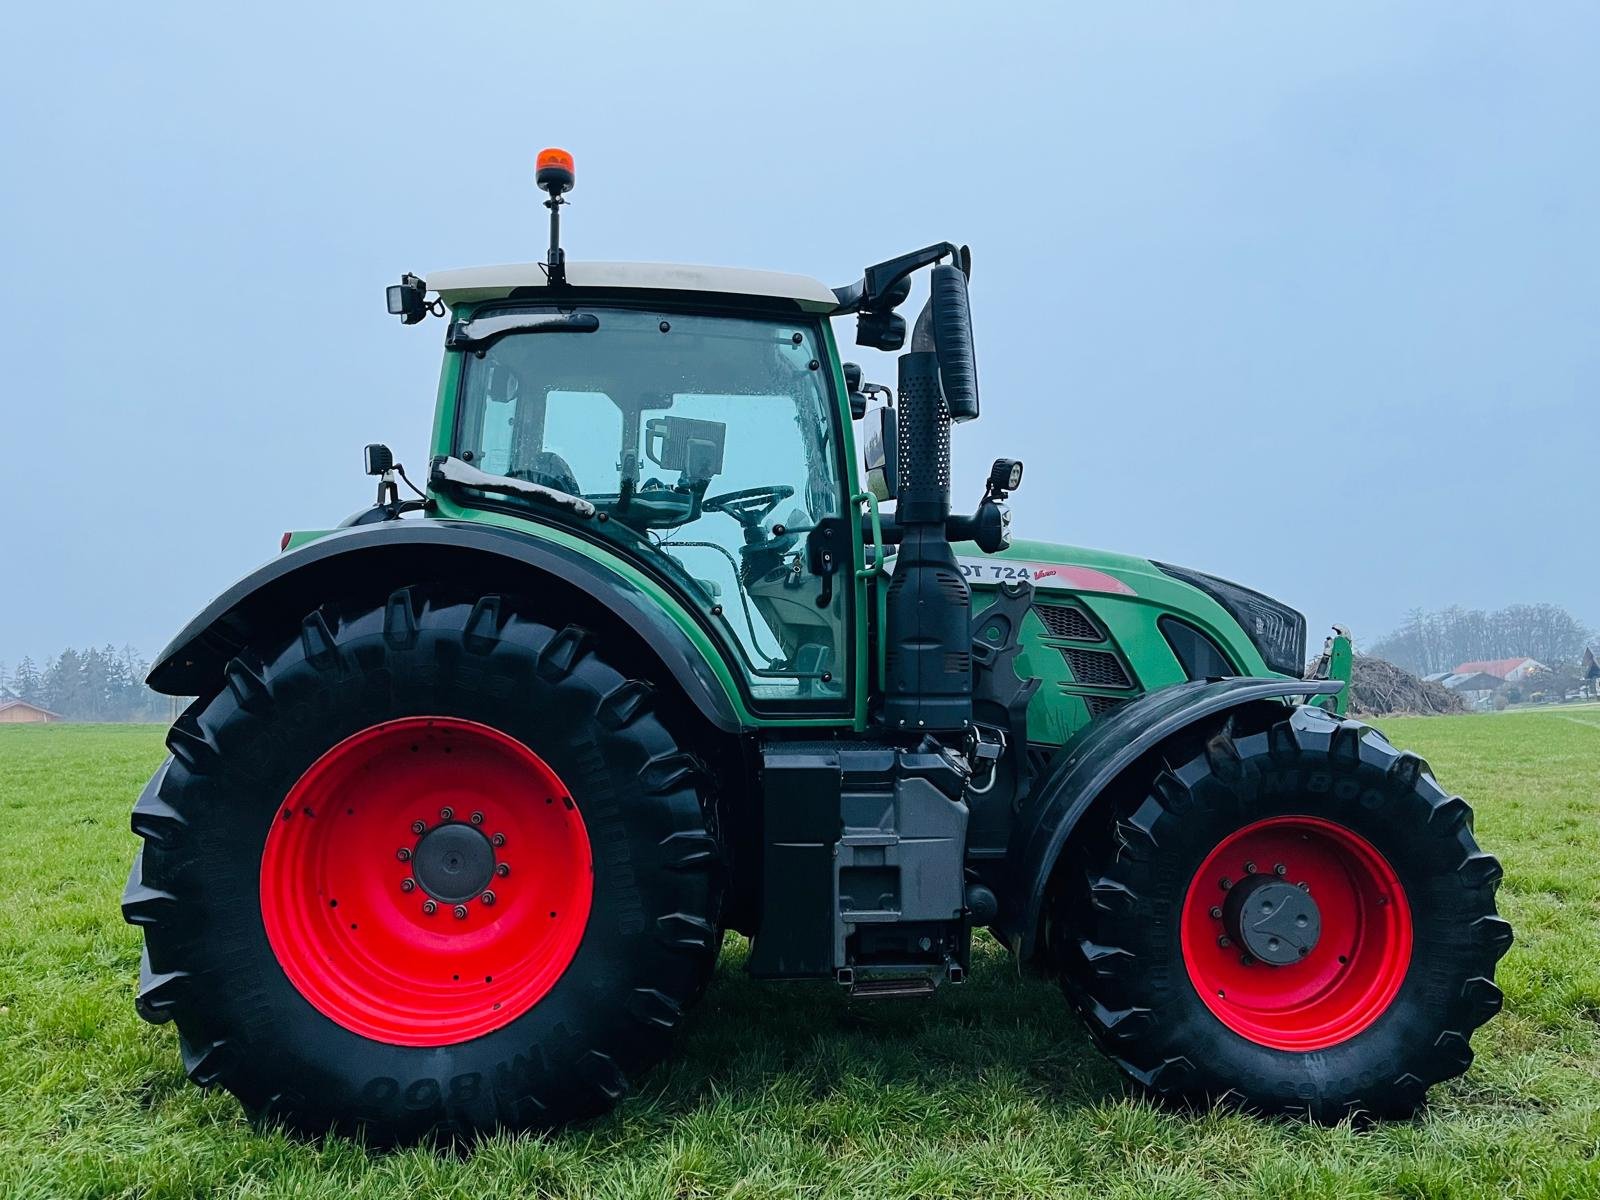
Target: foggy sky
[(1309, 298)]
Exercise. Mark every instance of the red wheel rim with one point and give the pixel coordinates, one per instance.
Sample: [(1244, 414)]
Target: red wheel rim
[(1345, 980), (347, 878)]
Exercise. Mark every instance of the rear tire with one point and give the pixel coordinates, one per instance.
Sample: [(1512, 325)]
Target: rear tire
[(353, 1021), (1382, 983)]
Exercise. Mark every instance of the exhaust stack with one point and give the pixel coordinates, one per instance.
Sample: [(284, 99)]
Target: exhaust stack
[(928, 608)]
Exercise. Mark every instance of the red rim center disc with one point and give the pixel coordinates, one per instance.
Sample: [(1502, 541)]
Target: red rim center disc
[(1352, 973), (343, 876)]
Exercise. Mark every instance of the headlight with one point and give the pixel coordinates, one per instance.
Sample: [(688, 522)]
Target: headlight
[(1278, 632)]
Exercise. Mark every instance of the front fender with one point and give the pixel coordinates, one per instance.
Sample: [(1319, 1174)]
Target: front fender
[(1083, 771), (391, 554)]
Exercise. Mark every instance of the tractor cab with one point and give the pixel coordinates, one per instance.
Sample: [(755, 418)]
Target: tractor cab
[(695, 432)]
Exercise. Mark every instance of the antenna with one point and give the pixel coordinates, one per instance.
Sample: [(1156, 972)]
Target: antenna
[(555, 175)]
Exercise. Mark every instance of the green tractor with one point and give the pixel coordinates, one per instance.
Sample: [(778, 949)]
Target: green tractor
[(472, 785)]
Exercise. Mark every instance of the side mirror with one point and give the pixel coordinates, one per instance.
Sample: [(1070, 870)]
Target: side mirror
[(408, 299), (952, 332), (880, 440)]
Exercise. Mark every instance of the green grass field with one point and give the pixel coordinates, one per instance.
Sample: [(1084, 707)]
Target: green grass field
[(989, 1090)]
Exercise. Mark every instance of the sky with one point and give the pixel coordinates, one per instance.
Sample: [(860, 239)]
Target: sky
[(1304, 296)]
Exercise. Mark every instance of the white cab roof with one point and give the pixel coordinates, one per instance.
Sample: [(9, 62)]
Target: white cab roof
[(492, 283)]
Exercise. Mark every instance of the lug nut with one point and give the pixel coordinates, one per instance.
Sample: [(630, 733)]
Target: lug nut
[(503, 870), (1280, 869), (477, 818), (1224, 941), (1249, 868), (487, 897), (408, 885), (1303, 886), (499, 839), (1216, 912), (1246, 961), (1226, 883), (429, 908), (419, 827), (403, 854), (461, 912), (446, 813)]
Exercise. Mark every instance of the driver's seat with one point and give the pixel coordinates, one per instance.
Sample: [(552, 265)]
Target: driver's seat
[(550, 469)]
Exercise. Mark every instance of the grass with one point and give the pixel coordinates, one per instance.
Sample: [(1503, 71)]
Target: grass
[(989, 1090)]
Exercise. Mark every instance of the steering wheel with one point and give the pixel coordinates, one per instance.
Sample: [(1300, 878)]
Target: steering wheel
[(749, 506)]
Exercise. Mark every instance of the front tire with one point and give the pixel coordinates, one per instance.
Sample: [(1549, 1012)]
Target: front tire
[(1299, 920), (427, 867)]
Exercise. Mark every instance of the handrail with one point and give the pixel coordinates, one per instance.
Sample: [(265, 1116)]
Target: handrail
[(876, 570)]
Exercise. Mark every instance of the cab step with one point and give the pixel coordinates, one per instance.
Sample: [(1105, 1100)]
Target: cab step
[(892, 989)]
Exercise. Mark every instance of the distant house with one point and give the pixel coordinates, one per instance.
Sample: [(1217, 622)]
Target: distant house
[(1506, 670), (1477, 688), (21, 712)]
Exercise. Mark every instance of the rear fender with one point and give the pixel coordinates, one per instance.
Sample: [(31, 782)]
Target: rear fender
[(374, 559), (1087, 768)]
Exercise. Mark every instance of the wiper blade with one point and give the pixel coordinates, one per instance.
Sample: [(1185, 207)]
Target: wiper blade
[(452, 471), (480, 331)]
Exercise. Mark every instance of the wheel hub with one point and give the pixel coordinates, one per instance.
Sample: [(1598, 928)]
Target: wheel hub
[(1274, 921), (453, 863)]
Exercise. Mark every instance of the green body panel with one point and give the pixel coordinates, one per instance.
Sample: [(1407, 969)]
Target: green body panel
[(1060, 708)]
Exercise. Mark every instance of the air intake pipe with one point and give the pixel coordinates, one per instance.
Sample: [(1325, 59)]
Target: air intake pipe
[(927, 618)]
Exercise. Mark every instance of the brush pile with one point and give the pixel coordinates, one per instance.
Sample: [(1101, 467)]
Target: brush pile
[(1378, 688)]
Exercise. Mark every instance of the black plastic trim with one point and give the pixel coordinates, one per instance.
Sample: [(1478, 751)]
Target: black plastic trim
[(1235, 599), (1083, 771), (367, 556), (1196, 651)]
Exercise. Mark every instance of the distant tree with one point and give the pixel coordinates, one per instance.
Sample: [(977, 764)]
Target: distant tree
[(1427, 643), (61, 688), (1546, 632), (91, 685), (25, 681)]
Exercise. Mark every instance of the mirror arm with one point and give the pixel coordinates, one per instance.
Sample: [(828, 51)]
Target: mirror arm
[(989, 528), (881, 279), (891, 532)]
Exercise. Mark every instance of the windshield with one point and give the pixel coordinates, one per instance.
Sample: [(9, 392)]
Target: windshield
[(707, 443)]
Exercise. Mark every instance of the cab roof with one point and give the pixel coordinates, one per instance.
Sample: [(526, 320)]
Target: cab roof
[(471, 284)]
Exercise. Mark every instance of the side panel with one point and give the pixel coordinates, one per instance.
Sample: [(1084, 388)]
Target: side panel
[(1094, 637), (1078, 777)]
